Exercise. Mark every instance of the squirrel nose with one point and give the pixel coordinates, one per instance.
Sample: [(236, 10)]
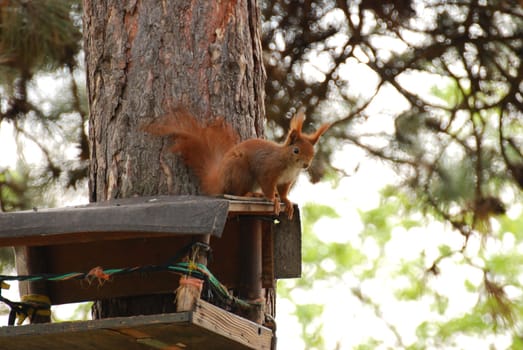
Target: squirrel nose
[(306, 165)]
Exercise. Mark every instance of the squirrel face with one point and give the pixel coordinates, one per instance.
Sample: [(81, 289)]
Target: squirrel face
[(300, 144), (302, 153)]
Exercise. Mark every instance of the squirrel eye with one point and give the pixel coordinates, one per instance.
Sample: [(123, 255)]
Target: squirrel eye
[(296, 150)]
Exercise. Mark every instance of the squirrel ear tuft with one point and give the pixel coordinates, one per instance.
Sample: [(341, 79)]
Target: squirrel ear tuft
[(313, 138), (297, 121), (295, 128)]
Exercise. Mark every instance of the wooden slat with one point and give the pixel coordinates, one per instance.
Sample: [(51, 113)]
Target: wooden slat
[(208, 327), (287, 247), (268, 279), (113, 254), (251, 266), (250, 334), (250, 206), (127, 218), (116, 219), (82, 257), (29, 261)]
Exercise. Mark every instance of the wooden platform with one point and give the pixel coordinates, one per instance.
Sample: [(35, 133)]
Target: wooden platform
[(144, 231), (118, 219), (178, 331)]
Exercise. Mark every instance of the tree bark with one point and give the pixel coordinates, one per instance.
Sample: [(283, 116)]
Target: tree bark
[(145, 57)]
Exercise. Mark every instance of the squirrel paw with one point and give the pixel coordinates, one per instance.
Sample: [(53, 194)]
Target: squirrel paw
[(277, 206), (289, 209)]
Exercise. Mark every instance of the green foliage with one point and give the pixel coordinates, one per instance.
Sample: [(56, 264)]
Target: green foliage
[(517, 343), (311, 327), (13, 189), (378, 221), (455, 183), (38, 35), (315, 250), (416, 286), (313, 212), (82, 311), (512, 226), (371, 344), (507, 264), (450, 94), (414, 279), (472, 323)]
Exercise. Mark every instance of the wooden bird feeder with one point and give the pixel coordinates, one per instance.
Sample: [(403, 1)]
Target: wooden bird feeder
[(249, 252)]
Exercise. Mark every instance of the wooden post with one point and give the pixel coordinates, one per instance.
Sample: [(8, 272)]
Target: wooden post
[(251, 267), (189, 291), (32, 260)]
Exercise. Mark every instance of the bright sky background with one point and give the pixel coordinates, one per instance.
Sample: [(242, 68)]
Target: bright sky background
[(347, 322)]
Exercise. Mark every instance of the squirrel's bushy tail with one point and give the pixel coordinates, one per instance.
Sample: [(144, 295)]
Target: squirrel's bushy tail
[(201, 145)]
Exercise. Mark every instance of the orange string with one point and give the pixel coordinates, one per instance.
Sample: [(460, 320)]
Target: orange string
[(97, 273), (191, 281)]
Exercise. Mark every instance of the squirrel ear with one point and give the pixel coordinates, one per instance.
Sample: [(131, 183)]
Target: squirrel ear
[(295, 128), (297, 121), (313, 138), (292, 137)]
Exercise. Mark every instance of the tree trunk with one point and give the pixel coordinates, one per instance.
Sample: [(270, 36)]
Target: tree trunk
[(145, 57)]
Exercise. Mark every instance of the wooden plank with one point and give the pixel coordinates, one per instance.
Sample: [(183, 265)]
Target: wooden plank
[(86, 335), (268, 279), (189, 292), (251, 266), (208, 327), (250, 334), (250, 206), (80, 237), (115, 219), (127, 218), (82, 257), (113, 254), (287, 247), (33, 260)]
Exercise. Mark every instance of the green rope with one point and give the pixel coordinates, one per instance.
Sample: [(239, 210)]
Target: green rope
[(196, 270)]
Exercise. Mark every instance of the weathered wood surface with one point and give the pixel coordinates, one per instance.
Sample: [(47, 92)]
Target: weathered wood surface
[(116, 219), (207, 327), (81, 251), (287, 247), (126, 218), (251, 206), (83, 257), (250, 287)]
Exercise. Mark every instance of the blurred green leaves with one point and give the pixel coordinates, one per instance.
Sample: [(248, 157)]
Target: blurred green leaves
[(41, 101), (38, 36), (439, 276), (13, 189)]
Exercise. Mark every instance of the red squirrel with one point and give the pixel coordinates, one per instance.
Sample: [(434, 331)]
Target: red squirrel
[(226, 166)]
